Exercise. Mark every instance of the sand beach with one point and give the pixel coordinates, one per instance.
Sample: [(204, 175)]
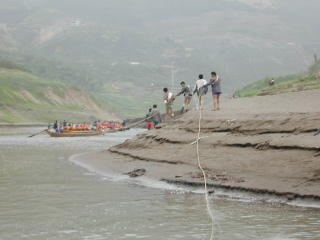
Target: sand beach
[(264, 145)]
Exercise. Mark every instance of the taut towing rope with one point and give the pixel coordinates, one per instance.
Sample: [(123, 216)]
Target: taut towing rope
[(210, 213), (127, 127)]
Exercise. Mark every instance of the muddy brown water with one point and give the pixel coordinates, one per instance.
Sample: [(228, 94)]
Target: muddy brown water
[(43, 195)]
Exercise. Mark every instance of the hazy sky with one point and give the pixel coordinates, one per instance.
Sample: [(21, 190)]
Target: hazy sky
[(251, 38)]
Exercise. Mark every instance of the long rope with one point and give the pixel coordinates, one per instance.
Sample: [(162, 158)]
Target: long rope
[(210, 213), (138, 122)]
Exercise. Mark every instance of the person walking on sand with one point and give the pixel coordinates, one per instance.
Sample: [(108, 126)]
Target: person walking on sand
[(187, 93), (168, 101), (215, 83), (201, 89)]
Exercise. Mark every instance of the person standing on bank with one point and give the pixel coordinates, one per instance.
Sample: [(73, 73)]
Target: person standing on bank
[(215, 83), (201, 88), (168, 99), (149, 124), (187, 93)]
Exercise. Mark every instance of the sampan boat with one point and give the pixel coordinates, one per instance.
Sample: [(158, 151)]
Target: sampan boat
[(86, 133)]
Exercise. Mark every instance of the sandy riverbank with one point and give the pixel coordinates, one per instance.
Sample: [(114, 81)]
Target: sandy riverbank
[(261, 144)]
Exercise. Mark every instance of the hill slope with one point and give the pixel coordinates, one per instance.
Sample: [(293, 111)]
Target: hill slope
[(289, 83), (125, 49), (25, 97)]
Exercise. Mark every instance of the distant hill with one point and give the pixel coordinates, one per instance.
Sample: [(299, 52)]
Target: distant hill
[(124, 52), (289, 83), (25, 97)]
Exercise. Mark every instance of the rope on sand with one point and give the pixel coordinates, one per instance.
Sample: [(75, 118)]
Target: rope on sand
[(210, 213)]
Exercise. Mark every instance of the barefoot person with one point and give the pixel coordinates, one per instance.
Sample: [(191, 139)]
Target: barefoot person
[(215, 82), (201, 89), (187, 93), (168, 99)]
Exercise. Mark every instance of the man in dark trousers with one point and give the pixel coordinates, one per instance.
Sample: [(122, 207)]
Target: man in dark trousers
[(55, 125)]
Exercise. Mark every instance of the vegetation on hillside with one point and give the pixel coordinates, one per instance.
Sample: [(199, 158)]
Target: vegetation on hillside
[(95, 44), (315, 68), (25, 97), (6, 64), (289, 83)]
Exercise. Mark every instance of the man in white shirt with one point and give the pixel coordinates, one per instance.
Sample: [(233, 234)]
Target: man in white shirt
[(201, 89), (168, 101)]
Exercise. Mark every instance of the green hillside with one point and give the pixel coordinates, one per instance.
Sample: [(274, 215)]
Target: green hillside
[(289, 83), (25, 97), (122, 52)]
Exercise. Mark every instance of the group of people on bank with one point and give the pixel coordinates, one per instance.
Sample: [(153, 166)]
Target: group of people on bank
[(107, 125), (200, 89), (97, 125), (65, 126)]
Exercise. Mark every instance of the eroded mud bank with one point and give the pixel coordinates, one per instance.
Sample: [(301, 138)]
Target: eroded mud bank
[(271, 150)]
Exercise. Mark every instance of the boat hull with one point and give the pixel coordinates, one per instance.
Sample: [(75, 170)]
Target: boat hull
[(75, 133)]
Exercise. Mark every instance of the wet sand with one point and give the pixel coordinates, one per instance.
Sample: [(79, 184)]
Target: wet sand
[(261, 144)]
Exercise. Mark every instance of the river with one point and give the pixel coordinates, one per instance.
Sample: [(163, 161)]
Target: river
[(43, 195)]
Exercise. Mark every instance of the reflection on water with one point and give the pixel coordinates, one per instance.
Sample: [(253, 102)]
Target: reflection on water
[(45, 196)]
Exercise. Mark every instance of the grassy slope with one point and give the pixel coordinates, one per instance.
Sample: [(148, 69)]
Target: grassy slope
[(128, 106), (25, 97), (290, 83), (123, 98)]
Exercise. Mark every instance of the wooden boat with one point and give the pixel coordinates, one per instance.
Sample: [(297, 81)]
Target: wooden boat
[(87, 133)]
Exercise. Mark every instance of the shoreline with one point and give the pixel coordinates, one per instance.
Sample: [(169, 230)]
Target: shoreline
[(116, 169), (263, 145)]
